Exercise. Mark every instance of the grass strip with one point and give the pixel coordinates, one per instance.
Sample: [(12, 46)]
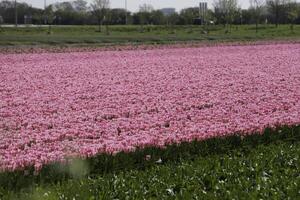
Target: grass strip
[(252, 167)]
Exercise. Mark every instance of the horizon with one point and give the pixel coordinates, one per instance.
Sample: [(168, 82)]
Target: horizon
[(133, 5)]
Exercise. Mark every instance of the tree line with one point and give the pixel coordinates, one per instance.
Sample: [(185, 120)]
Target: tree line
[(79, 12)]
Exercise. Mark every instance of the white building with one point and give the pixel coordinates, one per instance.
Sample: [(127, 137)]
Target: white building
[(168, 11)]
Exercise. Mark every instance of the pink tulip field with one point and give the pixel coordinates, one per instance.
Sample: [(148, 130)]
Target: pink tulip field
[(59, 105)]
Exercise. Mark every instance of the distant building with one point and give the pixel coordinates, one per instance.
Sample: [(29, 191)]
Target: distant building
[(168, 11), (202, 12)]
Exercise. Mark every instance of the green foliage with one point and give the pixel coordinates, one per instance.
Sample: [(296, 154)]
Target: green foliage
[(79, 12), (188, 15), (253, 167)]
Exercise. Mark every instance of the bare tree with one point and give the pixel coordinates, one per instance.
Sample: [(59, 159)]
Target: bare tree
[(16, 13), (1, 22), (220, 11), (63, 6), (275, 8), (293, 13), (80, 5), (172, 21), (100, 9), (147, 8), (227, 10), (49, 18), (144, 10), (257, 6)]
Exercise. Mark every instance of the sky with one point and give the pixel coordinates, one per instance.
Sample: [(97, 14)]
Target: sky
[(133, 5)]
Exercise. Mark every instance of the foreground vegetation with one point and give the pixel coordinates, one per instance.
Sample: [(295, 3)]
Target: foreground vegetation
[(255, 167), (88, 35)]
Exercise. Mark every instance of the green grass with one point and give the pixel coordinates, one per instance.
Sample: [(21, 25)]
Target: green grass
[(87, 35), (255, 167)]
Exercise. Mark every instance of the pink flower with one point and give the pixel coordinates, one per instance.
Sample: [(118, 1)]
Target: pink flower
[(59, 105)]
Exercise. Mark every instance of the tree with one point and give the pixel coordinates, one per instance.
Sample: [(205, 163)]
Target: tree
[(172, 20), (1, 22), (7, 11), (80, 6), (226, 10), (146, 8), (49, 17), (107, 19), (220, 12), (118, 16), (100, 9), (157, 17), (276, 9), (74, 12), (232, 10), (145, 14), (293, 13), (188, 15), (246, 16), (257, 6), (63, 6)]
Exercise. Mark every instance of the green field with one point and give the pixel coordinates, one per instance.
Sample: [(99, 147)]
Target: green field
[(88, 35), (256, 167)]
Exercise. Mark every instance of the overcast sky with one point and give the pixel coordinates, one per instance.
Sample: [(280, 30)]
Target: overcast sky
[(133, 5)]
